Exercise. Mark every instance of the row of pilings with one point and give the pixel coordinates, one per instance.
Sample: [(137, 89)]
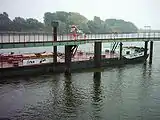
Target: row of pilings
[(97, 52)]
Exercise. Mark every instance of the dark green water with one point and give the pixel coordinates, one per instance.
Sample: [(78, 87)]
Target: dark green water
[(131, 92)]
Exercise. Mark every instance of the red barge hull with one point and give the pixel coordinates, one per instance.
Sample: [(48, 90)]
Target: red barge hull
[(44, 68)]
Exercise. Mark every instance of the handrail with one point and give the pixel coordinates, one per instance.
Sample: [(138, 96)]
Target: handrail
[(8, 37)]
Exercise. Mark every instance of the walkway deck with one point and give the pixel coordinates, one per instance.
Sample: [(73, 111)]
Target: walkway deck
[(20, 40)]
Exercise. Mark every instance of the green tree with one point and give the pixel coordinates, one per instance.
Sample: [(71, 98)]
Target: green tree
[(62, 16), (33, 24), (19, 23), (66, 19), (5, 22), (62, 29), (76, 18)]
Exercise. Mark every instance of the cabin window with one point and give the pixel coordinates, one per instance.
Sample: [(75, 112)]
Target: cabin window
[(107, 51), (127, 52), (90, 58), (30, 62), (136, 50)]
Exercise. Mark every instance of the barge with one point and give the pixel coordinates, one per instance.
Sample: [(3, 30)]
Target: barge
[(41, 63)]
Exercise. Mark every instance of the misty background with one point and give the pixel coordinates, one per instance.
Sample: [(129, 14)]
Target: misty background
[(140, 12)]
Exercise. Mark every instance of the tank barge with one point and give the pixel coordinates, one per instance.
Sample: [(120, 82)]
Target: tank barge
[(41, 63)]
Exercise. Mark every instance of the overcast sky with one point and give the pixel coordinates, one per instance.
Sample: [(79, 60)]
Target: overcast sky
[(140, 12)]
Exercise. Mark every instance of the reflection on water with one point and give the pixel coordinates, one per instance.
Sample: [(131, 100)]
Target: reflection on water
[(70, 99), (129, 92), (97, 102)]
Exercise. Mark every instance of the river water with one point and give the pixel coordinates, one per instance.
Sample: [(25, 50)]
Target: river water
[(130, 92)]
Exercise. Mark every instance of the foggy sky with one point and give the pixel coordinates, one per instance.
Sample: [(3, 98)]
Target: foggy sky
[(140, 12)]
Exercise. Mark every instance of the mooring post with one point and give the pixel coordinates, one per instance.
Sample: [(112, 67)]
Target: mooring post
[(97, 75), (151, 52), (97, 57), (121, 48), (97, 54), (145, 51), (68, 55), (54, 27), (145, 48)]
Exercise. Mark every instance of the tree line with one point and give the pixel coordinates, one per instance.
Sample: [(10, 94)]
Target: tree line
[(65, 19)]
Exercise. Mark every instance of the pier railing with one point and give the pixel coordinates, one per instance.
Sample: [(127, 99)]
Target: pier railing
[(22, 37)]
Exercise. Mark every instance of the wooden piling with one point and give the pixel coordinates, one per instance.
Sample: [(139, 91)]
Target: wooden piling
[(55, 27), (145, 48), (68, 56), (97, 54), (121, 48), (151, 52)]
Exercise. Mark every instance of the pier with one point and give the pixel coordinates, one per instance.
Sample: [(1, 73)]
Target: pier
[(21, 40)]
